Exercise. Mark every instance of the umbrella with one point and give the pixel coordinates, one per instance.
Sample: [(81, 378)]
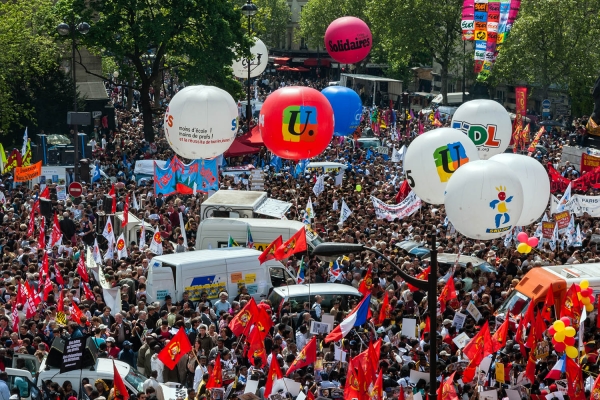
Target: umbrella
[(58, 139), (551, 123), (513, 116)]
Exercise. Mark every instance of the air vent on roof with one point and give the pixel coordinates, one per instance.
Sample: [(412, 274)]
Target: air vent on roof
[(570, 273), (537, 289)]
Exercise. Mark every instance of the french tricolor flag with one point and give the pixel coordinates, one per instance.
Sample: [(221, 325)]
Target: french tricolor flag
[(357, 317), (558, 369)]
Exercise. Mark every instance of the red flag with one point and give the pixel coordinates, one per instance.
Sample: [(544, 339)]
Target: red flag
[(58, 276), (403, 191), (595, 393), (352, 389), (15, 318), (263, 322), (480, 346), (571, 307), (374, 354), (113, 195), (469, 372), (307, 356), (256, 346), (31, 226), (42, 237), (60, 307), (215, 380), (385, 309), (377, 393), (531, 361), (32, 295), (45, 193), (269, 252), (125, 212), (82, 269), (30, 303), (427, 327), (499, 338), (447, 390), (56, 233), (120, 390), (89, 295), (21, 298), (274, 374), (295, 244), (548, 305), (177, 348), (423, 276), (76, 313), (575, 380), (366, 284), (522, 327), (448, 293), (243, 320), (310, 395)]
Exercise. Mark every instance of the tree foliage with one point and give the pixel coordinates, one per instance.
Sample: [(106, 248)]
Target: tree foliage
[(270, 22), (554, 42), (198, 37), (30, 68)]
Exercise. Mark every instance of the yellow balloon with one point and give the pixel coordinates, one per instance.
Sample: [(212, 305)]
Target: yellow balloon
[(558, 326), (584, 284), (559, 336), (589, 307), (522, 248), (569, 331), (528, 249), (586, 300), (572, 352)]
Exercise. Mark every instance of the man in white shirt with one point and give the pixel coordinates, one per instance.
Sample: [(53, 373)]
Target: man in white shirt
[(301, 337), (201, 369), (156, 364), (151, 382)]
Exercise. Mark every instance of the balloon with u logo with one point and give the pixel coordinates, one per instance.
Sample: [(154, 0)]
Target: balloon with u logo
[(347, 109), (296, 122), (432, 158)]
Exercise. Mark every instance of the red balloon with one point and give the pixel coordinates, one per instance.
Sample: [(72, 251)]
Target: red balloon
[(551, 331), (569, 341), (554, 342), (587, 292), (348, 40), (560, 347), (296, 122), (566, 320)]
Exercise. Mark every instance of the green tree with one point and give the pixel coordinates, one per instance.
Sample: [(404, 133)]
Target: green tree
[(29, 60), (198, 37), (554, 42), (270, 22), (407, 29)]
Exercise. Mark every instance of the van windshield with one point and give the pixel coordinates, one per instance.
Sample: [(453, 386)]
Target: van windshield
[(516, 303), (135, 379)]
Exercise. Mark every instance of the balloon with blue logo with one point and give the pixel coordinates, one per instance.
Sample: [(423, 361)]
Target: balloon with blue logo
[(347, 109)]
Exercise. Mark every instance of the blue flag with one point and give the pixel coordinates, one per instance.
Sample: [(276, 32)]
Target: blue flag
[(97, 175), (276, 163)]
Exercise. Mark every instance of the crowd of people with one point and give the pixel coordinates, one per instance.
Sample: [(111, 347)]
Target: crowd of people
[(138, 332)]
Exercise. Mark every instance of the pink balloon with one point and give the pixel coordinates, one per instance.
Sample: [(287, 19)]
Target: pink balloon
[(551, 331), (522, 237), (533, 241), (348, 40), (569, 341), (559, 347), (566, 321)]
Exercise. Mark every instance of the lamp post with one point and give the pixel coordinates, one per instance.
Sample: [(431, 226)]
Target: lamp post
[(65, 29), (329, 251), (249, 10)]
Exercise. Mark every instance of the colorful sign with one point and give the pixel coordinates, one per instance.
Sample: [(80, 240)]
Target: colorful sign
[(210, 284), (448, 158), (588, 163), (547, 229), (177, 177), (562, 219), (24, 174), (559, 183)]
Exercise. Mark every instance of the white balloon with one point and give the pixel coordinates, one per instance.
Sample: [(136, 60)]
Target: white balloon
[(201, 122), (258, 63), (535, 182), (486, 123), (484, 199), (431, 159)]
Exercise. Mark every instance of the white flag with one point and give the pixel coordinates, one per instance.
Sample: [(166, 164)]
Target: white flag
[(319, 185), (310, 212), (135, 204), (570, 233), (24, 149), (156, 244), (195, 189), (96, 253), (142, 241), (578, 238), (508, 238), (345, 211), (182, 227), (562, 204), (339, 178), (108, 231), (402, 153), (335, 205), (121, 247), (554, 239), (110, 253), (396, 155), (581, 328)]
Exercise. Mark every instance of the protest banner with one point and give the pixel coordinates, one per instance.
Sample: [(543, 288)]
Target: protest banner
[(24, 174)]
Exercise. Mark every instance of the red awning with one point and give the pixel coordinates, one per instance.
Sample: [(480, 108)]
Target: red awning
[(254, 138), (240, 149), (293, 69), (281, 60), (314, 62)]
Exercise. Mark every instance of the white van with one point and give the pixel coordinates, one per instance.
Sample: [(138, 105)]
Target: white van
[(131, 231), (242, 204), (454, 99), (30, 385), (213, 233), (213, 271)]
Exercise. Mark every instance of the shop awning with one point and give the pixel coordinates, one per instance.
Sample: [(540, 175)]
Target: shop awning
[(240, 149), (314, 62), (285, 68), (254, 138), (281, 60)]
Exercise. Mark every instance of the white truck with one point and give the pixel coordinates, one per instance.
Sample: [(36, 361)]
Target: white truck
[(213, 271), (242, 204)]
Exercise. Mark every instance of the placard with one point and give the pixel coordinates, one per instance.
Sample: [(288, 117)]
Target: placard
[(61, 192), (459, 320), (547, 229), (235, 277), (513, 394), (251, 386), (287, 385), (500, 372), (317, 328), (415, 376), (73, 355), (488, 395), (409, 328), (461, 340), (472, 309)]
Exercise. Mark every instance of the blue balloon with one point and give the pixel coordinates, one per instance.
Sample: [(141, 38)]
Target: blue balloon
[(347, 109)]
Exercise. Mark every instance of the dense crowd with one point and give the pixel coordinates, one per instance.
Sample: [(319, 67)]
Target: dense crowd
[(140, 330)]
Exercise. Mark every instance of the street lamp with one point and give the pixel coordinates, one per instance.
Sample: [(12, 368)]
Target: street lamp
[(327, 251), (65, 29), (249, 10)]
